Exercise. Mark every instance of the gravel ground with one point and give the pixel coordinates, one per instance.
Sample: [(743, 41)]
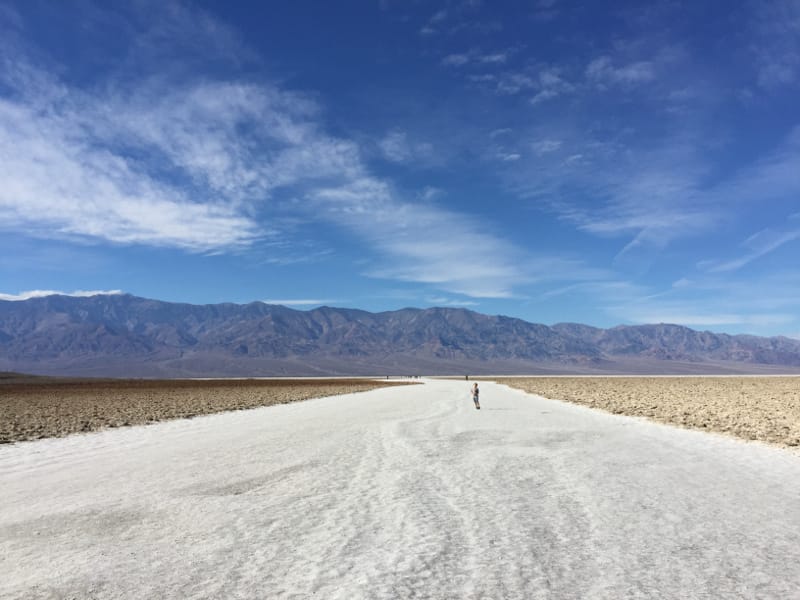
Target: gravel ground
[(39, 407), (754, 408)]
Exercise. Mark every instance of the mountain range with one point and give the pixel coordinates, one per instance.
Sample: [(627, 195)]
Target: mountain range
[(124, 335)]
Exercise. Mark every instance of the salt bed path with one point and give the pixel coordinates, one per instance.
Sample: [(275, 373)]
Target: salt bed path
[(400, 493)]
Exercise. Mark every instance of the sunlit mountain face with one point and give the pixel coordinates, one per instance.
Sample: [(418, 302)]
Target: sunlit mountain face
[(123, 335)]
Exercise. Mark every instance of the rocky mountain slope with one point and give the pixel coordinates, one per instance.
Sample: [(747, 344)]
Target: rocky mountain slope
[(127, 335)]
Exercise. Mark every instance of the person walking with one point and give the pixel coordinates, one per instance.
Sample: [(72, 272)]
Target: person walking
[(475, 396)]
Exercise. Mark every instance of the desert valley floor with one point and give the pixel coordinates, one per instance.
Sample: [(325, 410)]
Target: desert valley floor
[(400, 492)]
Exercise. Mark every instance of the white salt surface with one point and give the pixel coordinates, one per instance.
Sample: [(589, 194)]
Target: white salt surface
[(400, 493)]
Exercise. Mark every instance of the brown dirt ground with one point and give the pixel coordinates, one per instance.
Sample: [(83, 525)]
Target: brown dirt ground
[(754, 408), (40, 407)]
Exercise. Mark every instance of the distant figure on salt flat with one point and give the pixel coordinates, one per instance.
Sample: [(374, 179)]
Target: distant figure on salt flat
[(475, 395)]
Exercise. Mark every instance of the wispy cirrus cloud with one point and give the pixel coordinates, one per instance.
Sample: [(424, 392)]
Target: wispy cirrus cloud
[(771, 178), (428, 244), (545, 10), (648, 197), (770, 181), (551, 84), (44, 293), (62, 178), (299, 302), (475, 57), (548, 82), (707, 302), (645, 177), (150, 163), (445, 301), (602, 71), (396, 146), (759, 244), (690, 317), (546, 146), (433, 24), (208, 165), (176, 161), (545, 83), (423, 243), (651, 197), (777, 51), (713, 300), (456, 18)]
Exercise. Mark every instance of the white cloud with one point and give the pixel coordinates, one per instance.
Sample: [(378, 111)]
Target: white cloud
[(548, 83), (154, 163), (204, 165), (494, 58), (482, 78), (44, 293), (445, 301), (551, 84), (514, 83), (498, 132), (438, 16), (431, 27), (602, 71), (458, 17), (783, 71), (397, 147), (761, 243), (423, 243), (598, 285), (683, 282), (771, 179), (546, 146), (58, 180), (654, 196), (475, 58), (544, 96), (429, 193), (647, 196), (776, 28), (455, 60), (712, 301), (299, 302), (711, 319), (162, 161)]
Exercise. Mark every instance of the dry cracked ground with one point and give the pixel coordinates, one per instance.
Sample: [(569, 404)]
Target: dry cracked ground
[(766, 409)]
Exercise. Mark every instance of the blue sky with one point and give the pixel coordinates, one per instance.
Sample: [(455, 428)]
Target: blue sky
[(602, 163)]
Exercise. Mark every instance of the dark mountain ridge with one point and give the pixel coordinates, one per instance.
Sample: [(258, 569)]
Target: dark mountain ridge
[(127, 335)]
